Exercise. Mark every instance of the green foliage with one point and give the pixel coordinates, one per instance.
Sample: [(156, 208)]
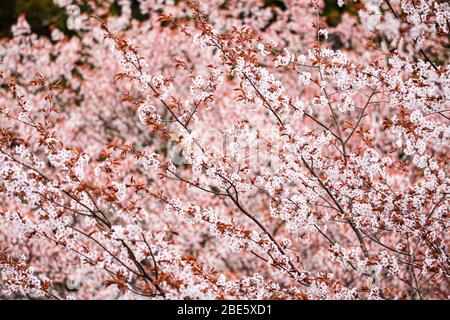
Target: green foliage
[(275, 3), (333, 13), (41, 15), (115, 10)]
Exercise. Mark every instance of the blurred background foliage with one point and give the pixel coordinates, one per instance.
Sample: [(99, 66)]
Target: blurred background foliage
[(43, 15), (333, 13)]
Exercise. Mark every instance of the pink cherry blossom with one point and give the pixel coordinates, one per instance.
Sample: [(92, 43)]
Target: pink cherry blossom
[(238, 151)]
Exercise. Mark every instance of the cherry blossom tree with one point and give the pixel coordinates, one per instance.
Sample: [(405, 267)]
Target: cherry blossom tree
[(227, 150)]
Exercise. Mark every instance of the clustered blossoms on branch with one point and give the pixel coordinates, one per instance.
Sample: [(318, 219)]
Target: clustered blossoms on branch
[(227, 150)]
